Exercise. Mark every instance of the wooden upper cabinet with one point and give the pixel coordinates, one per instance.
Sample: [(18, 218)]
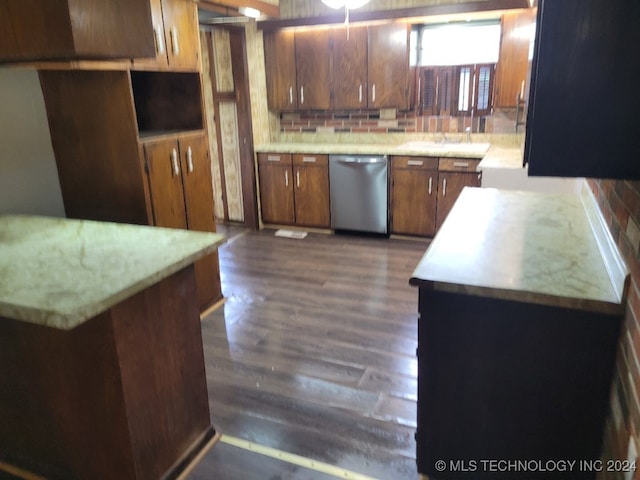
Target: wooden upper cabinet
[(313, 71), (280, 65), (513, 62), (175, 35), (41, 30), (349, 67), (388, 65), (581, 120)]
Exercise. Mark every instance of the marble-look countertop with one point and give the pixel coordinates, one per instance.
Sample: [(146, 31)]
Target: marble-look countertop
[(501, 157), (417, 148), (550, 249), (60, 272)]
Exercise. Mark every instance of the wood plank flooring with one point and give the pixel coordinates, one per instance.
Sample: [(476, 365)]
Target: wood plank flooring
[(313, 354)]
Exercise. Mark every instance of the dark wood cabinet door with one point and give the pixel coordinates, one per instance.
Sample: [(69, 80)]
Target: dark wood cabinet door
[(165, 183), (313, 70), (311, 197), (160, 60), (513, 64), (198, 186), (388, 71), (450, 185), (581, 120), (32, 30), (276, 193), (413, 201), (349, 67), (280, 65), (198, 195), (181, 33)]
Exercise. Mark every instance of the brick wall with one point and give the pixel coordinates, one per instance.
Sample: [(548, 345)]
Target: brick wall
[(620, 204), (391, 121)]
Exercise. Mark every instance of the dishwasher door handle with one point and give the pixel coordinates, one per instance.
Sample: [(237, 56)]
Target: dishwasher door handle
[(365, 161)]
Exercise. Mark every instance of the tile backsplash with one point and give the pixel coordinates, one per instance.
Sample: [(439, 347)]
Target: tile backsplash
[(392, 121)]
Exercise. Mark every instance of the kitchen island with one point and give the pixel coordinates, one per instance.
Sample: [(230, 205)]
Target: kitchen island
[(521, 298), (101, 359)]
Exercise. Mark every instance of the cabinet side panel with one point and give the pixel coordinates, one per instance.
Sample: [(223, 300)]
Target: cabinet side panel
[(62, 410), (93, 132), (163, 376)]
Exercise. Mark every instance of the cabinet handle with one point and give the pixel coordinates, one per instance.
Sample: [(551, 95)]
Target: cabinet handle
[(373, 93), (298, 178), (309, 159), (461, 164), (302, 95), (286, 178), (415, 163), (273, 158), (291, 95), (189, 159), (174, 162), (360, 94), (174, 41), (430, 184), (444, 188), (159, 41)]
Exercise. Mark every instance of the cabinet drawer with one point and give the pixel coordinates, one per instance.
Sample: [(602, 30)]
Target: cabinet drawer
[(458, 164), (414, 163), (282, 158), (311, 160)]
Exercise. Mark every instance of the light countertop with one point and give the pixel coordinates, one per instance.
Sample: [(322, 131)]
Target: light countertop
[(416, 148), (550, 249), (60, 272)]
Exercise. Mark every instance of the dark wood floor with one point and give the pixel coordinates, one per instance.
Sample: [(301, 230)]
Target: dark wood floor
[(313, 354)]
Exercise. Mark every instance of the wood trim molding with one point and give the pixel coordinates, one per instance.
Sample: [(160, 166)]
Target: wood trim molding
[(266, 8), (403, 13)]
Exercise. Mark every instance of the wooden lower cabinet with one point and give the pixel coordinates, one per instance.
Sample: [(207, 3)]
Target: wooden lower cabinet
[(424, 189), (414, 187), (181, 191), (294, 190), (508, 380), (96, 402), (311, 190), (454, 174), (276, 188)]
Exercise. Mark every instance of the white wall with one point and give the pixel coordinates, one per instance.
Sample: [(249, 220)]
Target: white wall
[(28, 177)]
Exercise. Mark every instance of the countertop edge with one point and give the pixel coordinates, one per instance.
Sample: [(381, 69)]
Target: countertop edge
[(617, 272), (575, 303)]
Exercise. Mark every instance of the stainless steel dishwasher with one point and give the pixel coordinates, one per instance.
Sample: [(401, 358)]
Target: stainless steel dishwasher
[(359, 190)]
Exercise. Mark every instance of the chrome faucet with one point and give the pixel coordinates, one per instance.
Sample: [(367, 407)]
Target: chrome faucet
[(468, 130)]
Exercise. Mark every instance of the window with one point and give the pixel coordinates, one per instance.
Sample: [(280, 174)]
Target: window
[(455, 67)]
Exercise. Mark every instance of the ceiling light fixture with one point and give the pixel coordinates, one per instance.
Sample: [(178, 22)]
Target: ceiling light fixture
[(250, 12), (348, 4)]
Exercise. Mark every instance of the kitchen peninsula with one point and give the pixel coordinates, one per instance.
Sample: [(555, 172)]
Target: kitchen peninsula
[(521, 298), (101, 361)]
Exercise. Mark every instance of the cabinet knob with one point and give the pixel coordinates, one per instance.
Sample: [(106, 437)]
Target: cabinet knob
[(290, 95), (444, 187), (373, 93), (430, 184), (360, 94), (286, 178), (298, 178), (301, 95)]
